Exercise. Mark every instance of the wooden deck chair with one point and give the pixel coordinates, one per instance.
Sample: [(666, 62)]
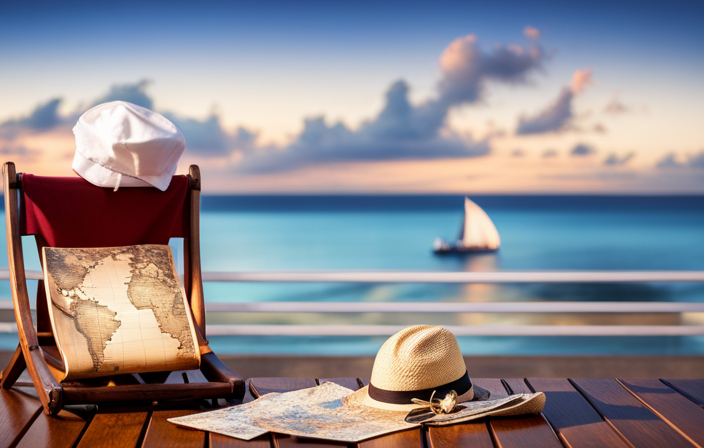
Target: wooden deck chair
[(70, 212)]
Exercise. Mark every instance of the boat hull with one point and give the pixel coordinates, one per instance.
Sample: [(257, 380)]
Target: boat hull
[(458, 250)]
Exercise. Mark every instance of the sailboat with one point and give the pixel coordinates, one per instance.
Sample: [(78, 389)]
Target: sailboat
[(478, 233)]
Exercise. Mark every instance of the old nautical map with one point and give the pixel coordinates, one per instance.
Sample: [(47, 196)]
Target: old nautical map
[(331, 412), (118, 310), (322, 412)]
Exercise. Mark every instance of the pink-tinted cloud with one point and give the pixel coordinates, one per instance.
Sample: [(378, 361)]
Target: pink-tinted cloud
[(558, 115), (531, 33), (580, 80)]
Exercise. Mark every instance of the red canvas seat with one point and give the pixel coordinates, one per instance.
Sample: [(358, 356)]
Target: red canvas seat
[(70, 212)]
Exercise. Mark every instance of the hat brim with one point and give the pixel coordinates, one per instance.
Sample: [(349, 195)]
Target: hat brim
[(362, 397), (100, 176)]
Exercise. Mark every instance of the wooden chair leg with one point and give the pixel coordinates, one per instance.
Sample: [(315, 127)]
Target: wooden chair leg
[(14, 369)]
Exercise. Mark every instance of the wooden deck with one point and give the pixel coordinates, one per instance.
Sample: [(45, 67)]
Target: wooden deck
[(579, 413)]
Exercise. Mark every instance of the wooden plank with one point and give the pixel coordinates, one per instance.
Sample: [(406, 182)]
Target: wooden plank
[(523, 431), (493, 385), (575, 421), (263, 386), (220, 441), (14, 369), (284, 441), (679, 412), (628, 415), (114, 430), (474, 434), (692, 389), (17, 412), (350, 383), (59, 431), (161, 433), (405, 439)]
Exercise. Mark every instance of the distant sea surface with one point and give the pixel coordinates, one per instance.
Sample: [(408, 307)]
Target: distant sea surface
[(260, 233)]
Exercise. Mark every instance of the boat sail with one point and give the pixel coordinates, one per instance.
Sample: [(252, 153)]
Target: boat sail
[(478, 233)]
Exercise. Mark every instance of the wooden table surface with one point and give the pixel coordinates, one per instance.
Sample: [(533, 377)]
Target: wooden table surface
[(579, 413)]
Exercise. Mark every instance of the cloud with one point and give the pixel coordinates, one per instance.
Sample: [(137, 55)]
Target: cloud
[(616, 107), (466, 68), (615, 160), (582, 149), (403, 130), (400, 131), (134, 93), (557, 115), (548, 153), (580, 79), (207, 137), (531, 33), (668, 161), (17, 150), (672, 160), (44, 117), (599, 128), (697, 160)]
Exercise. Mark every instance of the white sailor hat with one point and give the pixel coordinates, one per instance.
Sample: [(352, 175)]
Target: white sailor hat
[(120, 144)]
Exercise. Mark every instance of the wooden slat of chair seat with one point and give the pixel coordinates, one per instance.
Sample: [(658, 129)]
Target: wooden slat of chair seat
[(628, 415), (575, 421), (143, 392), (475, 433), (59, 431), (526, 430), (162, 433), (681, 413), (17, 412), (119, 429), (692, 389)]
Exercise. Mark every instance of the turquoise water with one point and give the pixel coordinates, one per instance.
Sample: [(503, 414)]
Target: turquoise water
[(396, 233)]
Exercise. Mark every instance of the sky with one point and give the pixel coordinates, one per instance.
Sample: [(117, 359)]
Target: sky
[(373, 97)]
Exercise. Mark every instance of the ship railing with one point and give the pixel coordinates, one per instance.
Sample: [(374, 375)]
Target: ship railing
[(380, 277)]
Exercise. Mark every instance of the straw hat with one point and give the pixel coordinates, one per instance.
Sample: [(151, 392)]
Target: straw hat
[(412, 364), (120, 144)]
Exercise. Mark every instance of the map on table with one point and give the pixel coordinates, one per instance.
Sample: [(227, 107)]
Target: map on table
[(322, 412), (118, 310)]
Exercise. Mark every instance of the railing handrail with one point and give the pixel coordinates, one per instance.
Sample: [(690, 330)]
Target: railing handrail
[(445, 307), (437, 276), (455, 277), (455, 307), (457, 330)]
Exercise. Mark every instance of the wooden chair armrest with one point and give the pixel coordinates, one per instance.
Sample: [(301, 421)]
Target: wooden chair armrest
[(215, 370)]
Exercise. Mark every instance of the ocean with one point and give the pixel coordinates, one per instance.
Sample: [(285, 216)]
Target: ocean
[(379, 232)]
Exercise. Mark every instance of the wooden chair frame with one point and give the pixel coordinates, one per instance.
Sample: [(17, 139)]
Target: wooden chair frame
[(33, 350)]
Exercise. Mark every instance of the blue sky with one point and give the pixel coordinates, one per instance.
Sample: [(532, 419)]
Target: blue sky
[(268, 66)]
